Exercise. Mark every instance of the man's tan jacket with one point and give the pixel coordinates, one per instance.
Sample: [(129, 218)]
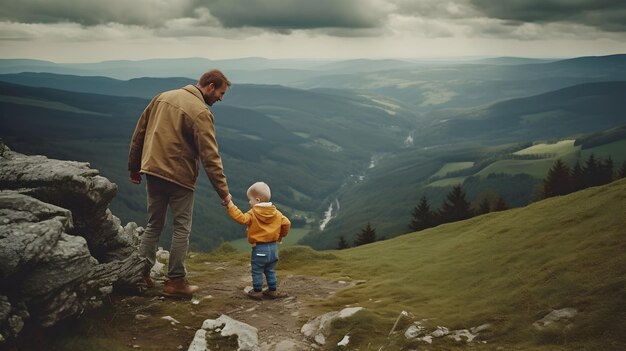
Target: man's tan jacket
[(174, 133)]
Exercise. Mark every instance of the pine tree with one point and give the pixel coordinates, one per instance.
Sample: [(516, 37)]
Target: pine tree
[(558, 182), (591, 172), (422, 216), (456, 207), (343, 243), (500, 205), (578, 179), (366, 236), (622, 171), (483, 207), (605, 171)]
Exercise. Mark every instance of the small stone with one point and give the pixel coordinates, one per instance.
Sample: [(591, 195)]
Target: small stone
[(320, 339), (440, 331), (171, 320), (344, 341), (427, 339), (140, 317)]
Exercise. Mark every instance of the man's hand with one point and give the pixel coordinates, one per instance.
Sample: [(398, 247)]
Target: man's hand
[(227, 200), (134, 177)]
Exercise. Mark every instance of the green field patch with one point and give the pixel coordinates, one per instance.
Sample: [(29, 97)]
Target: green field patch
[(52, 105), (535, 168), (302, 134), (328, 145), (295, 234), (447, 182), (557, 149), (616, 150), (452, 167)]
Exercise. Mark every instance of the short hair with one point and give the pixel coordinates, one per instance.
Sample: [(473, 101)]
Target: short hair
[(214, 76), (260, 190)]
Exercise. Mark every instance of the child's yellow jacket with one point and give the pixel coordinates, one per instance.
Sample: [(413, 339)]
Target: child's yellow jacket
[(265, 223)]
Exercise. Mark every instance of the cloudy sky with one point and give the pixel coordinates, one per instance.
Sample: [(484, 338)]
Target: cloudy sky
[(97, 30)]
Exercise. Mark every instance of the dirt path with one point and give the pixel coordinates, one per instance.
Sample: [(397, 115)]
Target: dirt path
[(276, 320), (222, 285)]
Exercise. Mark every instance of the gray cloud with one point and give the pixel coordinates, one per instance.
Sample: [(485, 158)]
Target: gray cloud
[(298, 14), (148, 13), (435, 8), (521, 19), (607, 15), (276, 15)]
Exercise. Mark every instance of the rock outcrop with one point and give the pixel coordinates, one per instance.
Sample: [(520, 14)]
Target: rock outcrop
[(62, 250), (417, 331), (225, 333), (560, 319), (319, 327)]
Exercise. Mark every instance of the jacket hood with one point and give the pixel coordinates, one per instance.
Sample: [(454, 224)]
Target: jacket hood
[(265, 212)]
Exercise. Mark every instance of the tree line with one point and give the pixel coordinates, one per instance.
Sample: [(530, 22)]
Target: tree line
[(563, 180), (560, 180)]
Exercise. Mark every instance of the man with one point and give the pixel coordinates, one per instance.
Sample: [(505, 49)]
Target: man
[(174, 133)]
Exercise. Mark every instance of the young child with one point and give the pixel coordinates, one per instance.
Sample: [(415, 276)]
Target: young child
[(266, 227)]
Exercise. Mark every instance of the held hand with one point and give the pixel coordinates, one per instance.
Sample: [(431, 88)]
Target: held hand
[(227, 200), (134, 177)]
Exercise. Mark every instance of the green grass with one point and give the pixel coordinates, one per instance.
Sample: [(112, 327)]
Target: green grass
[(295, 234), (536, 168), (560, 148), (615, 150), (447, 182), (451, 167), (508, 268)]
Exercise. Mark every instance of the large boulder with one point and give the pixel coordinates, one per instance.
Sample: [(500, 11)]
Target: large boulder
[(319, 328), (62, 250), (225, 333)]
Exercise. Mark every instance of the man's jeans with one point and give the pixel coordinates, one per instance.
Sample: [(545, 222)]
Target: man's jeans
[(162, 194), (263, 261)]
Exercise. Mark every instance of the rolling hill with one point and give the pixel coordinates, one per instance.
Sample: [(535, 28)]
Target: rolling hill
[(434, 86), (304, 152), (508, 269), (388, 192), (581, 108)]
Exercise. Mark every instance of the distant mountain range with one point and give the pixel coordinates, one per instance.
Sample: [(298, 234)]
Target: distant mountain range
[(582, 108)]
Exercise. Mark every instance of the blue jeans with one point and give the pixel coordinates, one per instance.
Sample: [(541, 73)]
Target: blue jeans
[(263, 261)]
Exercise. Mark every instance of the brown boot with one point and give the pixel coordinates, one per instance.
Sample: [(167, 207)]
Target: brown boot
[(179, 287)]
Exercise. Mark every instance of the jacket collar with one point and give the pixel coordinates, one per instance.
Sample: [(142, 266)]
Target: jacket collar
[(195, 91)]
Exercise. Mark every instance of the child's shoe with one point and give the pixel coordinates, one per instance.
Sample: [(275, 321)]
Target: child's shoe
[(255, 295), (274, 294)]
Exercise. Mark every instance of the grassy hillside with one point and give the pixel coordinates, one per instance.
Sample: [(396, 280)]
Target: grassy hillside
[(509, 269), (389, 192)]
